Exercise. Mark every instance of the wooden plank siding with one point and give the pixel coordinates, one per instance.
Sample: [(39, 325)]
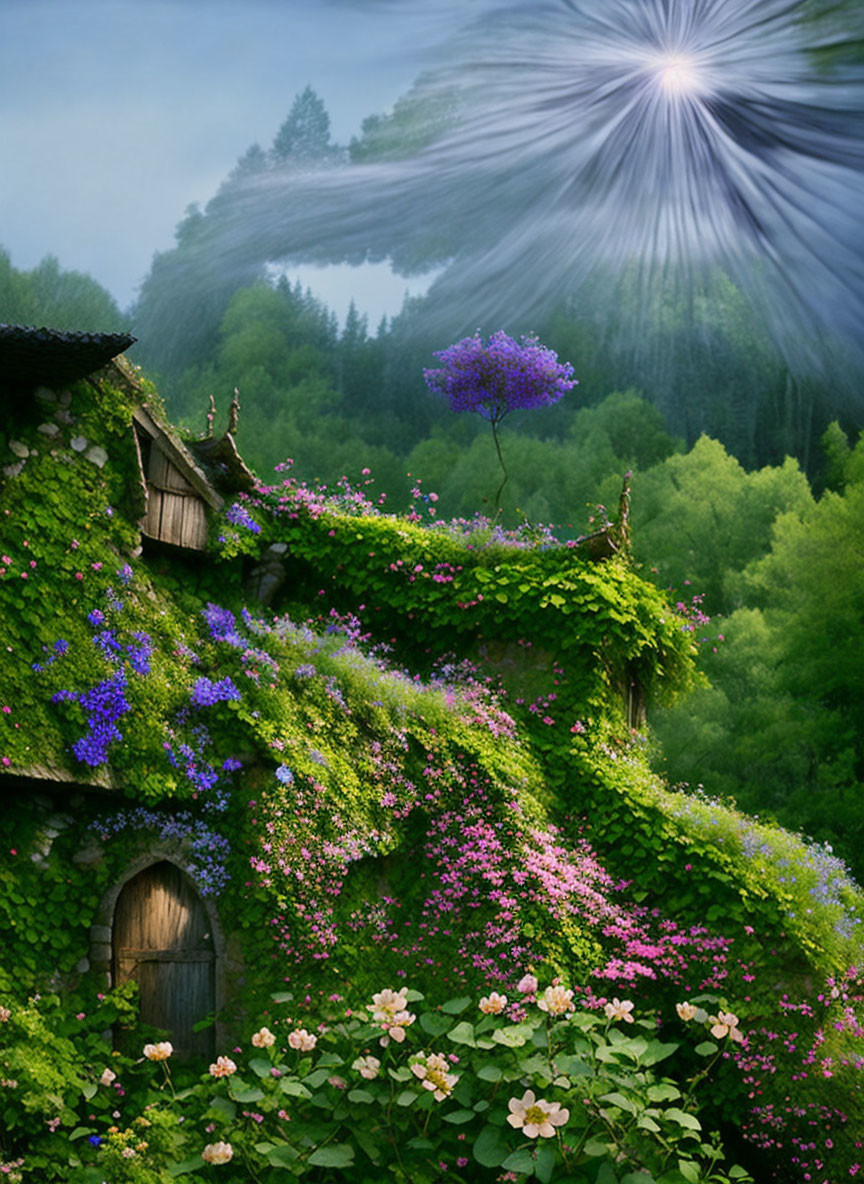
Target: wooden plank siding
[(162, 940), (175, 511)]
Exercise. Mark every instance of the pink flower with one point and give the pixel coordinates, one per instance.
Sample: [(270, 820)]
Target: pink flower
[(535, 1117), (263, 1038), (493, 1004), (223, 1067), (619, 1009), (556, 1000), (217, 1153), (527, 985), (724, 1023), (301, 1040)]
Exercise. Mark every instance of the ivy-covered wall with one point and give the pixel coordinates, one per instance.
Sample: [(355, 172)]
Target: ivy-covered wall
[(416, 763)]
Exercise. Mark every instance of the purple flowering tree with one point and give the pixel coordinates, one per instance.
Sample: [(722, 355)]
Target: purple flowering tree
[(502, 376)]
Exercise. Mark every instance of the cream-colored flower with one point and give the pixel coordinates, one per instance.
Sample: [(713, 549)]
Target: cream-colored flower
[(301, 1040), (394, 1028), (556, 1001), (619, 1009), (527, 985), (5, 1015), (724, 1023), (217, 1153), (433, 1075), (367, 1067), (535, 1117), (686, 1011), (158, 1052), (223, 1067), (493, 1003), (108, 1075), (263, 1038), (387, 1003)]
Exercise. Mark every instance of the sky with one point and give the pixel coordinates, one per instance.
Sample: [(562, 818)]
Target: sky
[(117, 114)]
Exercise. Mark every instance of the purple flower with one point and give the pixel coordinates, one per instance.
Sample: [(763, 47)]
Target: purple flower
[(239, 516), (96, 617), (223, 626), (500, 377), (205, 692)]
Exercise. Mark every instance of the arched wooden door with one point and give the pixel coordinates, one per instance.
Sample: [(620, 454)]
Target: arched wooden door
[(162, 940)]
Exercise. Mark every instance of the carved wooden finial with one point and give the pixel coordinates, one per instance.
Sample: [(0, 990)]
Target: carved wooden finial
[(211, 415), (233, 414), (622, 526)]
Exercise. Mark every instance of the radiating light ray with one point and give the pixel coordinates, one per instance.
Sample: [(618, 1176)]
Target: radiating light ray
[(660, 138)]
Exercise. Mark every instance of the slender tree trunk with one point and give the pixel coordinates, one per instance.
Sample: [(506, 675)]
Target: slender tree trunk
[(503, 468)]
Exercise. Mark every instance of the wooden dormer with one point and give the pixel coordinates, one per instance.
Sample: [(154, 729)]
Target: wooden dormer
[(177, 490)]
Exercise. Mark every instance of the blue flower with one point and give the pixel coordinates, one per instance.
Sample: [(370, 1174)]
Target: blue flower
[(94, 1141), (284, 775), (238, 515), (205, 692)]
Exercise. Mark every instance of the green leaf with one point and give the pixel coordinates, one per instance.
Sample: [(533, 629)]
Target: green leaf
[(368, 1144), (606, 1175), (490, 1073), (689, 1170), (456, 1006), (616, 1099), (594, 1148), (407, 1097), (292, 1088), (490, 1150), (544, 1165), (459, 1116), (706, 1049), (433, 1024), (316, 1077), (80, 1132), (646, 1123), (193, 1164), (361, 1097), (225, 1107), (514, 1035), (463, 1033), (89, 1090), (241, 1092), (420, 1144), (260, 1066), (663, 1091), (520, 1161), (573, 1066), (658, 1051), (736, 1172), (282, 1155), (335, 1155), (282, 997), (688, 1121)]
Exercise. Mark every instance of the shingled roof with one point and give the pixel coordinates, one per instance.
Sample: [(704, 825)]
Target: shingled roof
[(31, 357)]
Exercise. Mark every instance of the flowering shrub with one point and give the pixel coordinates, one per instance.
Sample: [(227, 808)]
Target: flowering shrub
[(465, 1095)]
